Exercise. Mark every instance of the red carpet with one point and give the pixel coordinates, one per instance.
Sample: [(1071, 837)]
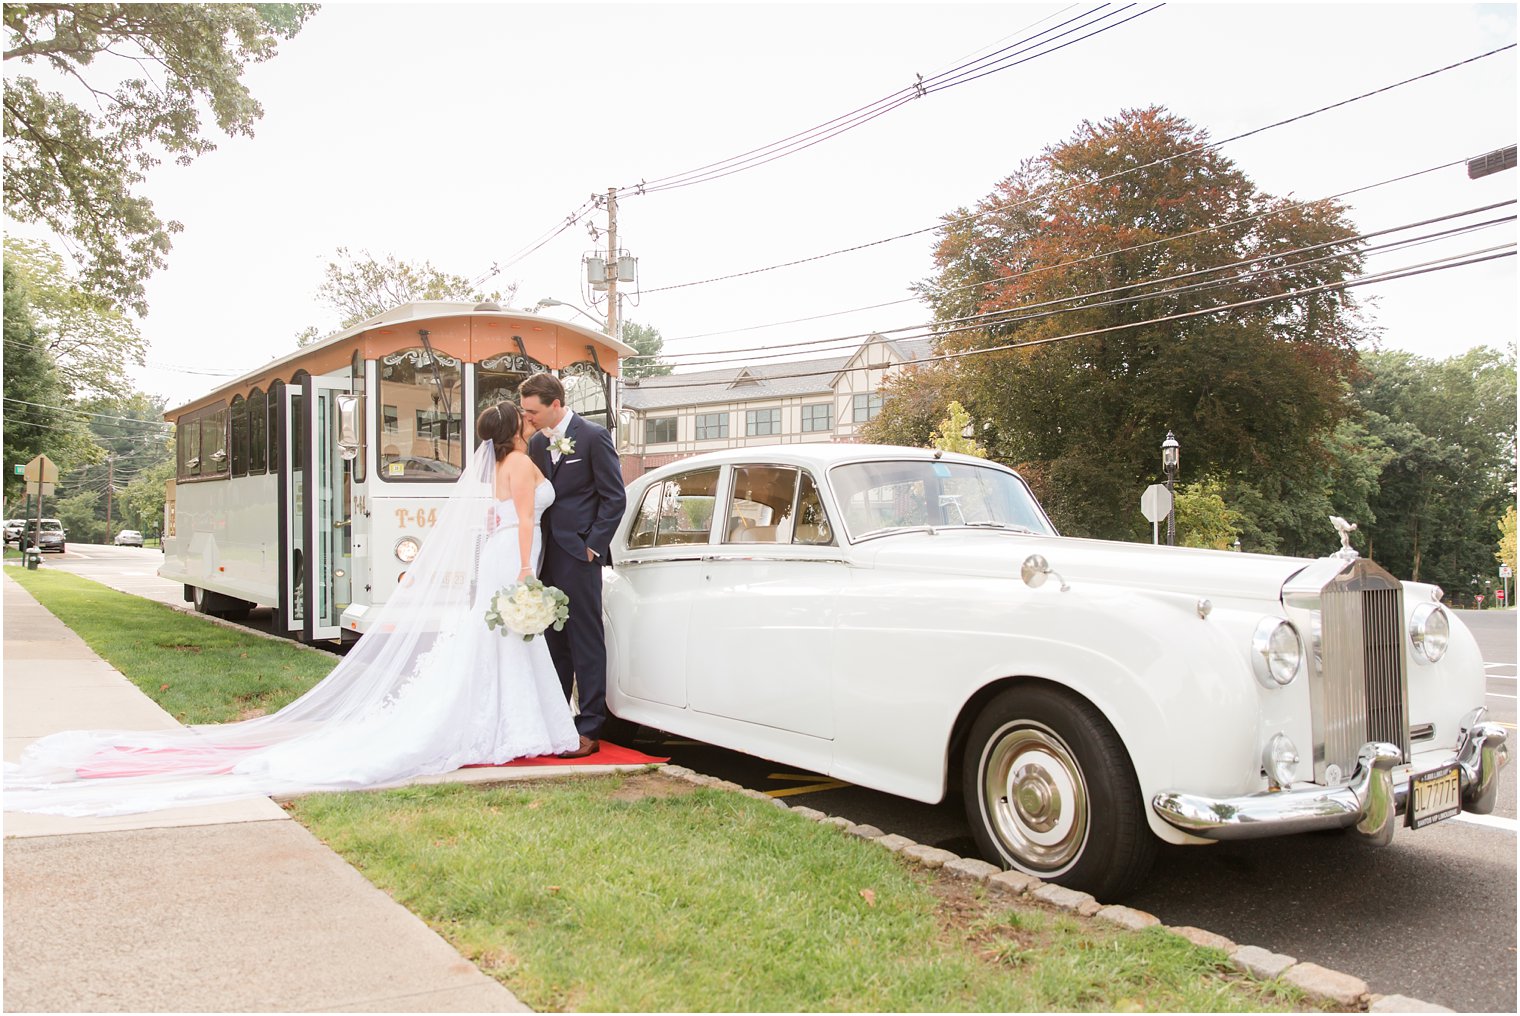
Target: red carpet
[(608, 755)]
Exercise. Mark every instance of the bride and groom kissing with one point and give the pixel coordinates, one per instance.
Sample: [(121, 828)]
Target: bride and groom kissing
[(429, 688)]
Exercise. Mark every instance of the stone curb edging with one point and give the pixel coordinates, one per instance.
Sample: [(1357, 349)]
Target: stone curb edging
[(1315, 981)]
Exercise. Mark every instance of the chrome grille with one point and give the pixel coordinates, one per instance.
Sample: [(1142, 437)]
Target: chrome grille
[(1361, 692)]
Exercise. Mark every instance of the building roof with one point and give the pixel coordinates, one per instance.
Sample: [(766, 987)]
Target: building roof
[(747, 382)]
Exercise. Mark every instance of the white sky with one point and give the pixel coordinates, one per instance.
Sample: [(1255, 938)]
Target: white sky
[(458, 133)]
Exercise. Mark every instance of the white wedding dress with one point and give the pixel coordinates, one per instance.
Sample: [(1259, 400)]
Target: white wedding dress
[(428, 690)]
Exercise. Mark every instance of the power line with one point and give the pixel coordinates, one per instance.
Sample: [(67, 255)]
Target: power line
[(83, 412), (999, 61), (1086, 183), (1004, 316), (1408, 271)]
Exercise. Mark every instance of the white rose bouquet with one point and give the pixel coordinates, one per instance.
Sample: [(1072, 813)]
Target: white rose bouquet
[(527, 609)]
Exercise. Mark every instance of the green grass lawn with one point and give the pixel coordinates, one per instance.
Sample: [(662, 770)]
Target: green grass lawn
[(198, 671), (639, 892)]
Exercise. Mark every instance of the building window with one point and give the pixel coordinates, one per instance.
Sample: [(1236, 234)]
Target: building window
[(819, 416), (390, 420), (762, 422), (661, 430), (867, 407), (711, 425)]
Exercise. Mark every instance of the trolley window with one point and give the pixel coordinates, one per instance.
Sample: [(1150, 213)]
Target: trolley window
[(239, 436), (214, 460), (426, 391), (258, 432)]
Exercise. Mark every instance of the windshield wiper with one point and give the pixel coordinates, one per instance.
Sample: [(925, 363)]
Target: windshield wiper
[(1011, 526)]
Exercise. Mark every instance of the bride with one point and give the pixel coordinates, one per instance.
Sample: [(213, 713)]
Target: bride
[(428, 689)]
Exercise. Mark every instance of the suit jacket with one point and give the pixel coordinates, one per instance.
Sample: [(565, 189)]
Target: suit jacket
[(588, 490)]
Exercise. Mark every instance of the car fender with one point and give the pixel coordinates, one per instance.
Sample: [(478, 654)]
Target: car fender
[(1170, 682)]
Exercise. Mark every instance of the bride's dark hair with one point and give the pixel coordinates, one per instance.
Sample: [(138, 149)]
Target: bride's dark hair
[(500, 424)]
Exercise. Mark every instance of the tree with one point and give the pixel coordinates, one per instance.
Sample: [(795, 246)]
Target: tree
[(33, 389), (950, 436), (1203, 518), (75, 169), (360, 286), (1505, 555), (648, 341), (1450, 426), (913, 403), (1249, 393), (89, 339), (143, 499)]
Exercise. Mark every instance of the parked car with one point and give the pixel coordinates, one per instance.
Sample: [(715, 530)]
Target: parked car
[(911, 621), (129, 538), (52, 536), (14, 529)]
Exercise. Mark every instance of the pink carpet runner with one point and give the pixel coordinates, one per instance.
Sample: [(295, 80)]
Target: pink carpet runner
[(609, 755)]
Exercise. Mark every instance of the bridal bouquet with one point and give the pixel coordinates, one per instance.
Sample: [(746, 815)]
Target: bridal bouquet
[(527, 609)]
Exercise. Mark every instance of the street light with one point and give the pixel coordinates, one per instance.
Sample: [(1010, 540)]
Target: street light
[(549, 301), (1171, 457)]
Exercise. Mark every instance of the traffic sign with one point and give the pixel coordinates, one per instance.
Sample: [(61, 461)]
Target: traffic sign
[(1156, 502), (18, 470), (41, 470), (1505, 571), (1500, 594)]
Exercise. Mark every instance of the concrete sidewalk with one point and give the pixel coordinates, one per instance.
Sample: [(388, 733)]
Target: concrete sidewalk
[(231, 907)]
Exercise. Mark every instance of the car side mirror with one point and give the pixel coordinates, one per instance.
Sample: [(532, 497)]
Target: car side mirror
[(1035, 570)]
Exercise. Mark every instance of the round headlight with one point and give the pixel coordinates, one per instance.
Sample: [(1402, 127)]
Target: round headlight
[(406, 549), (1430, 631), (1280, 760), (1276, 652)]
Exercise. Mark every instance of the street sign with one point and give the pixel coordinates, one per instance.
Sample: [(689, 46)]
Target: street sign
[(41, 470), (1156, 502), (1505, 571), (18, 470)]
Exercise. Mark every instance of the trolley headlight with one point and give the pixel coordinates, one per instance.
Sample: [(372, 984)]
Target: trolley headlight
[(1276, 652), (406, 549), (1430, 631), (1280, 760)]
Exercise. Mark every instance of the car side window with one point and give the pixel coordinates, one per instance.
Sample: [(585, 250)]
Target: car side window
[(775, 504), (676, 512)]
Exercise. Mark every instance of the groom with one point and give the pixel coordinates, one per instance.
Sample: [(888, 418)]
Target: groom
[(579, 459)]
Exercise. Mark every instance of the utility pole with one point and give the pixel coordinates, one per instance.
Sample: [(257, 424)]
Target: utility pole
[(110, 483), (612, 264)]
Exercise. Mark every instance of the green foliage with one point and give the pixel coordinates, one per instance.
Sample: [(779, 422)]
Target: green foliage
[(359, 286), (32, 387), (914, 403), (1249, 394), (1203, 518), (649, 342), (1506, 552), (75, 168), (950, 435), (77, 512), (1450, 428), (142, 500), (89, 339)]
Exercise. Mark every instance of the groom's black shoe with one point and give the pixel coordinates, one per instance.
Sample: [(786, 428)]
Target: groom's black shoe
[(588, 746)]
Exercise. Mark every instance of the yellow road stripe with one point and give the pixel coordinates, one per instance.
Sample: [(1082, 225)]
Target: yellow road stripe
[(815, 784)]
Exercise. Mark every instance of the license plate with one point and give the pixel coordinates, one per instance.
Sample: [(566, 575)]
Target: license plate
[(1434, 795)]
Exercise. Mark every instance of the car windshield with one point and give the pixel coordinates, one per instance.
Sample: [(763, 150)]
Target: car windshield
[(879, 497), (52, 526)]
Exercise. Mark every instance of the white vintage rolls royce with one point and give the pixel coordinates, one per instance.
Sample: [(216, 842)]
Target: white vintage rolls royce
[(910, 621)]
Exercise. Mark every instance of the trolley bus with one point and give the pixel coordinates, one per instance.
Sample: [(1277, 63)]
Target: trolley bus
[(308, 485)]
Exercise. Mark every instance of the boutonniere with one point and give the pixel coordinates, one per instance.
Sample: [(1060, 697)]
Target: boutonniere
[(563, 445)]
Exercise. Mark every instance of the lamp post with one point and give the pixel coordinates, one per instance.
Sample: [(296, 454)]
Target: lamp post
[(1171, 457), (549, 301)]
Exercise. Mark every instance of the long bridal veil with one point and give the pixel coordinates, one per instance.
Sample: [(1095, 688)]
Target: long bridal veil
[(339, 735)]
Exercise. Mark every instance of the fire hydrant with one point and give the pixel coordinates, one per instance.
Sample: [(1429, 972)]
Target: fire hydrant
[(33, 557)]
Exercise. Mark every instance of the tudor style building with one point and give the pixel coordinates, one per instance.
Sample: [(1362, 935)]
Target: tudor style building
[(790, 402)]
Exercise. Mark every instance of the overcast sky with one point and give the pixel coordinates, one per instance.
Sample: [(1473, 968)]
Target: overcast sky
[(460, 133)]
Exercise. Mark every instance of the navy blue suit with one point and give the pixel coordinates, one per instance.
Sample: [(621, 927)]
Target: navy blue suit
[(588, 505)]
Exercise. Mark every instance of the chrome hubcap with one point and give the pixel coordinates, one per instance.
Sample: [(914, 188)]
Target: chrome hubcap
[(1034, 797)]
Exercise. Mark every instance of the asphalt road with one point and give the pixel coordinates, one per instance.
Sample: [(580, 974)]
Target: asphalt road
[(1432, 916)]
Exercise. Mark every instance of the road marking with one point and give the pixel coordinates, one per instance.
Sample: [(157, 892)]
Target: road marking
[(815, 784), (1494, 694), (1492, 821)]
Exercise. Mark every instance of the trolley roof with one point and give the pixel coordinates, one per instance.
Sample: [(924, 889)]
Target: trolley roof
[(319, 357)]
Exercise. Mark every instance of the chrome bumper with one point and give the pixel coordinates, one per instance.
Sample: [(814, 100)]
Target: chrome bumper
[(1370, 801)]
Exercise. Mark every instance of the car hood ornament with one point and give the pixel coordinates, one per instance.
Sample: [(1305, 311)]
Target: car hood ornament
[(1347, 552)]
